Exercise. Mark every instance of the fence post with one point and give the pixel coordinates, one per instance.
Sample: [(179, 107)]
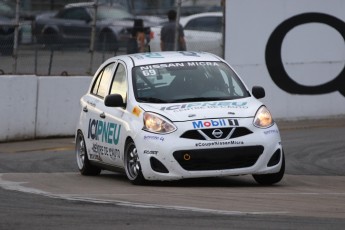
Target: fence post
[(16, 38), (50, 61), (93, 35), (178, 13), (223, 28)]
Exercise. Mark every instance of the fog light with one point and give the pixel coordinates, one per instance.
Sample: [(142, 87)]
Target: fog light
[(186, 157)]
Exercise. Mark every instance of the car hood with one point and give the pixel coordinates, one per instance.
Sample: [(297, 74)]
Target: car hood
[(240, 108), (125, 22)]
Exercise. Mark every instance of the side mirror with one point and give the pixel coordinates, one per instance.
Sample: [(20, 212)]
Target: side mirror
[(258, 92), (114, 100)]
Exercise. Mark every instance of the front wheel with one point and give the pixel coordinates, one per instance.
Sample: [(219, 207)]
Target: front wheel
[(83, 162), (272, 178), (132, 164)]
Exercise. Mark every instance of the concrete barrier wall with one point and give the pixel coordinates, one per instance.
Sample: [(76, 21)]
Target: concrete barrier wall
[(36, 107), (18, 96), (58, 105)]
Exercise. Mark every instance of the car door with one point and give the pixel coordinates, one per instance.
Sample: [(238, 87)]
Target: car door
[(204, 34), (75, 24), (116, 118), (93, 119)]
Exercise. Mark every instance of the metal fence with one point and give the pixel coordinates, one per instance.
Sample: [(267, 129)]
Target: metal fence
[(73, 43)]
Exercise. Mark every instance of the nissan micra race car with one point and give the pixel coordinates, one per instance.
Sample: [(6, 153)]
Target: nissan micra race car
[(175, 115)]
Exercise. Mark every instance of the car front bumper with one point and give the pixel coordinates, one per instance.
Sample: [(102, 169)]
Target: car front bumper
[(170, 157)]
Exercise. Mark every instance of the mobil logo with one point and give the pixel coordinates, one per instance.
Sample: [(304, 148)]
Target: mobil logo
[(209, 123)]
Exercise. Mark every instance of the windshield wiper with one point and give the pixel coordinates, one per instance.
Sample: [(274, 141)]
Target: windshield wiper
[(151, 99)]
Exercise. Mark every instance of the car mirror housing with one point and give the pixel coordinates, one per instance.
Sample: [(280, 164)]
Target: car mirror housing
[(114, 100), (258, 92)]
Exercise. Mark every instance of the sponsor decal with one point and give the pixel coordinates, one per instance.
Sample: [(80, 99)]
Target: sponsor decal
[(218, 143), (106, 132), (205, 105), (272, 131), (136, 111), (150, 70), (153, 55), (155, 138), (114, 154), (150, 152), (100, 150), (95, 157), (215, 123), (178, 65)]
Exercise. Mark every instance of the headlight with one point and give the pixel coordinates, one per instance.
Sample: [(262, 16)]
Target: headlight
[(263, 118), (157, 124)]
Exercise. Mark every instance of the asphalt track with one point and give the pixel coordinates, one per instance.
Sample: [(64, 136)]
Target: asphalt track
[(311, 195)]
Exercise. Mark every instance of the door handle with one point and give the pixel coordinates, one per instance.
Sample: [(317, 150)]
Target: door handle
[(85, 109), (102, 115)]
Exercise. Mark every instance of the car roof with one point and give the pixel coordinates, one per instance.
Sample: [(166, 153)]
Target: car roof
[(80, 4), (184, 20), (168, 56)]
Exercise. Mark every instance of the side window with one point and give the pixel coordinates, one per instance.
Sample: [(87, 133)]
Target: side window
[(211, 24), (96, 84), (74, 14), (103, 80), (232, 85), (119, 84)]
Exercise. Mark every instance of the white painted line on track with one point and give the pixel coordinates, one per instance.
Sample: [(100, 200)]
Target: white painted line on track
[(18, 186)]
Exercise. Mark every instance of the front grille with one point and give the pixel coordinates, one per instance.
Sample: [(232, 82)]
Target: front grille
[(206, 134), (218, 159)]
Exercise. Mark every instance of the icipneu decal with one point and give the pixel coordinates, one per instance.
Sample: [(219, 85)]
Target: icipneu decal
[(106, 132), (208, 105)]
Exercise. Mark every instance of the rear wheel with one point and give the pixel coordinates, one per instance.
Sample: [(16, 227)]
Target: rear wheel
[(272, 178), (132, 164), (83, 162)]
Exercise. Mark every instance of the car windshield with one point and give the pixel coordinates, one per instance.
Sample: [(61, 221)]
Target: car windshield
[(186, 82), (106, 13)]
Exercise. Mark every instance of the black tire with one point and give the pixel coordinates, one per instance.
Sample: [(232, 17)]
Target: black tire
[(83, 162), (273, 178), (132, 164)]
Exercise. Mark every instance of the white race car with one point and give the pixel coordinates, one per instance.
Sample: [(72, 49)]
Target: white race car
[(175, 115)]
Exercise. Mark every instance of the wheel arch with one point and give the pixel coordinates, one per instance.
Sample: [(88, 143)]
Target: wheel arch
[(50, 29)]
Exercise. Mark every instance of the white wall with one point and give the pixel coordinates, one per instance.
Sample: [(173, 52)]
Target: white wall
[(34, 107), (17, 107), (313, 54)]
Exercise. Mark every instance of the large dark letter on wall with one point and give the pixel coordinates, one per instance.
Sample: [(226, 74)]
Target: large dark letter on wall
[(274, 59)]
